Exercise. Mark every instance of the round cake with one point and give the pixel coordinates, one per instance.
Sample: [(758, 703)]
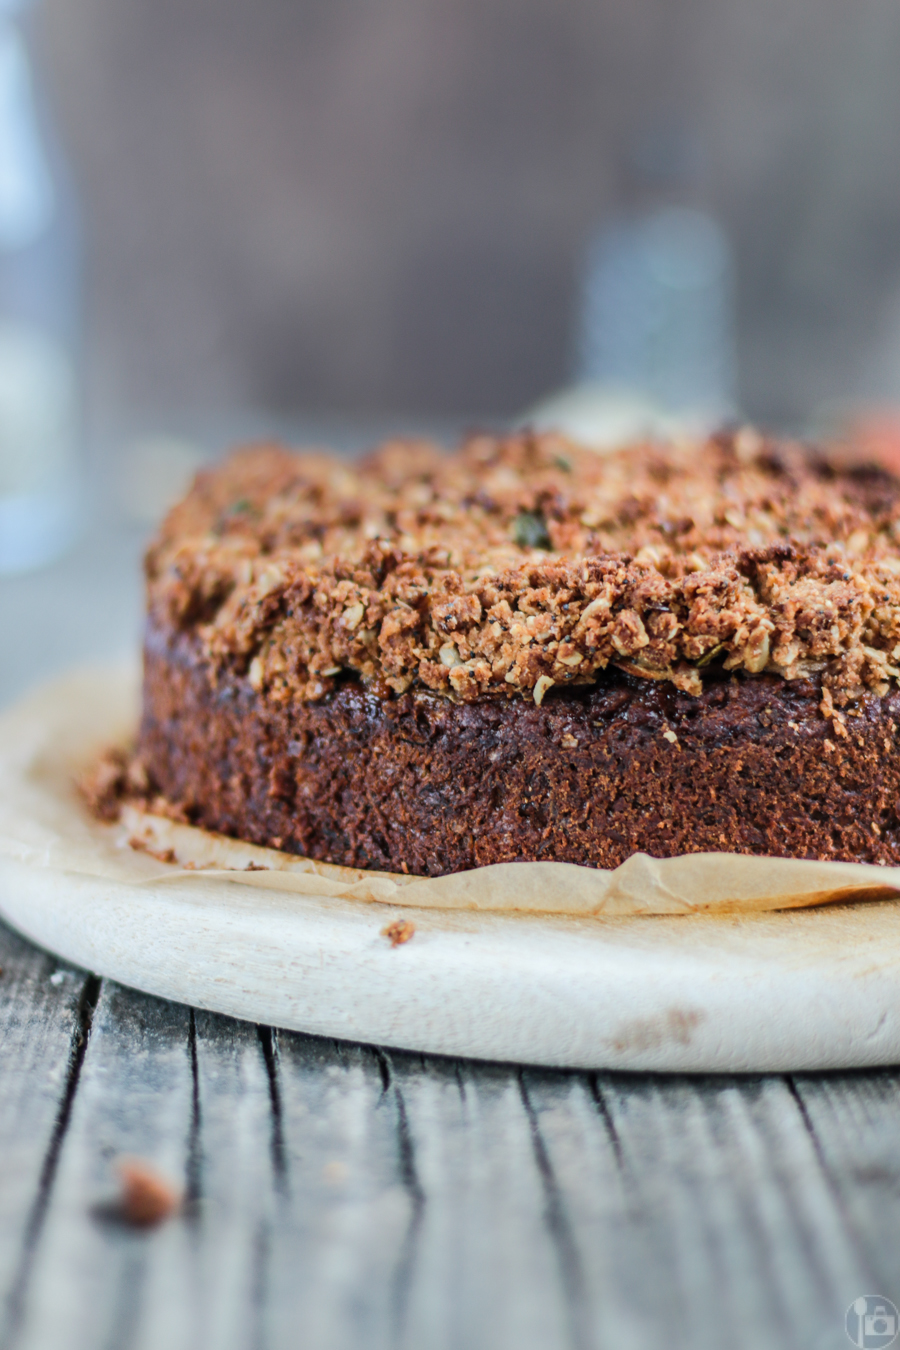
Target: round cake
[(427, 662)]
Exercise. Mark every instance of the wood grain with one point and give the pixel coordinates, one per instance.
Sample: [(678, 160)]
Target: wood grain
[(343, 1196), (45, 1012)]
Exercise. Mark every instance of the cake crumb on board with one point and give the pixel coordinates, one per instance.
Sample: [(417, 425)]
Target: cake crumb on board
[(398, 932)]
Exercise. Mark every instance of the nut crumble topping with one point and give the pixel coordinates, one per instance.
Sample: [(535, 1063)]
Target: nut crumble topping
[(521, 564)]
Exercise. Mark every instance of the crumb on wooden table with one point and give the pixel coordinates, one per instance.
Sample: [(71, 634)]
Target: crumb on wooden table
[(146, 1197)]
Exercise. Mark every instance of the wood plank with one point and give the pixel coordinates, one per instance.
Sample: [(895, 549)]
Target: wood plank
[(854, 1121), (92, 1277), (223, 1296), (721, 1215), (358, 1197), (45, 1008), (491, 1267), (350, 1215)]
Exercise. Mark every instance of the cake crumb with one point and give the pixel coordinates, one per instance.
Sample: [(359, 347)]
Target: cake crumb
[(398, 932), (163, 855), (103, 786), (146, 1197)]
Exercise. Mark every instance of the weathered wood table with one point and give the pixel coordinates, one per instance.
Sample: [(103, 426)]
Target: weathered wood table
[(343, 1196), (356, 1196)]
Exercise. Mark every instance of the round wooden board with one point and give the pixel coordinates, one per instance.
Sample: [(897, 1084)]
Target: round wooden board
[(811, 989)]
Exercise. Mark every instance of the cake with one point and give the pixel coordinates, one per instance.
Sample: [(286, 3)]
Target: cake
[(426, 662)]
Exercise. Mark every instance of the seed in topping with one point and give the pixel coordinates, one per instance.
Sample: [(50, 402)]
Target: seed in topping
[(540, 689), (529, 530), (256, 673), (269, 580), (756, 656), (352, 617), (711, 654)]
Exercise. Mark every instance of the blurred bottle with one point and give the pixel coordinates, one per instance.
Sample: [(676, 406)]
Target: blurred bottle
[(657, 317), (39, 321)]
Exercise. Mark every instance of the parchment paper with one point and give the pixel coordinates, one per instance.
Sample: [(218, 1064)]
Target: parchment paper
[(52, 736)]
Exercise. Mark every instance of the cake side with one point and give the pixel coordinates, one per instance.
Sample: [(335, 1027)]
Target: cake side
[(428, 785)]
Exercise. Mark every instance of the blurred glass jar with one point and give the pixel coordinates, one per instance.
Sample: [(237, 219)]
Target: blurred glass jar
[(658, 314), (40, 294)]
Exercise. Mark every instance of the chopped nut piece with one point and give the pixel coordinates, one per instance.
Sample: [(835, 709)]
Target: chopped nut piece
[(688, 680), (670, 736), (540, 689)]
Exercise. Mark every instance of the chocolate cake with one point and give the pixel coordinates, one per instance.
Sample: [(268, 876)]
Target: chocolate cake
[(427, 662)]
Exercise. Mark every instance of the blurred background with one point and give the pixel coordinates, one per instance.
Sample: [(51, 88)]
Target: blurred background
[(332, 220)]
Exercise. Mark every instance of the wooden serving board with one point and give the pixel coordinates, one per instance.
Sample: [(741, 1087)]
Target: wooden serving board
[(811, 989)]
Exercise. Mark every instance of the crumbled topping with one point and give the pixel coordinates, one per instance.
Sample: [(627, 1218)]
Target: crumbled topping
[(116, 776), (522, 564)]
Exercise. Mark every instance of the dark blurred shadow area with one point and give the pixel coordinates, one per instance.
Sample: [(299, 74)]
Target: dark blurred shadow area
[(319, 205)]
